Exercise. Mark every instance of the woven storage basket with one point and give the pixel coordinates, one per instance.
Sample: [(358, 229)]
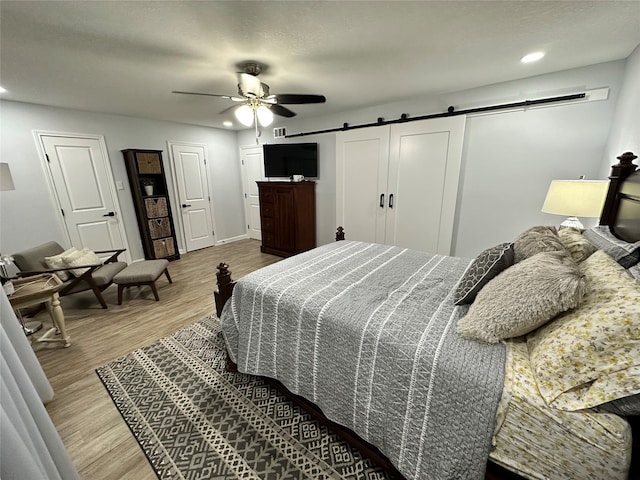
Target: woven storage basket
[(148, 163), (159, 227), (156, 207), (164, 247)]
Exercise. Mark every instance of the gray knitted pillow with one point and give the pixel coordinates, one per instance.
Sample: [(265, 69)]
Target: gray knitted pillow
[(535, 240), (626, 254), (524, 297), (485, 267)]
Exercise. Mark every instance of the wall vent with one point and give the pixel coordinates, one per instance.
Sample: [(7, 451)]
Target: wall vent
[(279, 132)]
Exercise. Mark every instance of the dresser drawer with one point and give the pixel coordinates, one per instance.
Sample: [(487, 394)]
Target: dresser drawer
[(268, 239), (266, 196), (267, 225), (266, 210)]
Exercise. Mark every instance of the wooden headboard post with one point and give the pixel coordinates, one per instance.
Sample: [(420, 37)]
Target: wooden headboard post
[(225, 287), (619, 172)]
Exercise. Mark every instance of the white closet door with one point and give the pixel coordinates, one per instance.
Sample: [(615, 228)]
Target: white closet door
[(361, 182), (424, 168)]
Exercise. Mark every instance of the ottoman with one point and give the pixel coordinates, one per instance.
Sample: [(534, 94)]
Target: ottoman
[(141, 273)]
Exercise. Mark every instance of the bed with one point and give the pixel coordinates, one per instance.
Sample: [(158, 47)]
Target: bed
[(405, 348)]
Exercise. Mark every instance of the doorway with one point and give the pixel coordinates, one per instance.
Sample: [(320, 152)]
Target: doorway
[(82, 184), (189, 170), (252, 172)]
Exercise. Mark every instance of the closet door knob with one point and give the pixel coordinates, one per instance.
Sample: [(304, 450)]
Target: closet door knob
[(110, 214), (382, 200), (185, 205), (391, 200)]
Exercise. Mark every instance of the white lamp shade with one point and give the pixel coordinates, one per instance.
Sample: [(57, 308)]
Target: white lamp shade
[(576, 198), (265, 116), (244, 114), (6, 181)]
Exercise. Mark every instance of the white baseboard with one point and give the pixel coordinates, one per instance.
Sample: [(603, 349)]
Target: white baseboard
[(232, 239)]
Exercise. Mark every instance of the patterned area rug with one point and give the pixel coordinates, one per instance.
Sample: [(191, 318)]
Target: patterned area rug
[(195, 420)]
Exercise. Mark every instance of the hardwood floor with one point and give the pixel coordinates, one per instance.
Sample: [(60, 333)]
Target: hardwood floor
[(95, 436)]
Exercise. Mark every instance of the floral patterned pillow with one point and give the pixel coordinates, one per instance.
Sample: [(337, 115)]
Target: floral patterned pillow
[(591, 355)]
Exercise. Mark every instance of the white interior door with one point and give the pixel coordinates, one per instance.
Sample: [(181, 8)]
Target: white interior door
[(83, 183), (424, 167), (361, 182), (252, 172), (190, 175)]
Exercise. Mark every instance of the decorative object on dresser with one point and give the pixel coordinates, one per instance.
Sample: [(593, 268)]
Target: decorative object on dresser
[(288, 217), (151, 202)]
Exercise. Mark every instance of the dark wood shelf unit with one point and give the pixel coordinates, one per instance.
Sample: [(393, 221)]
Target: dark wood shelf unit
[(288, 217), (153, 211)]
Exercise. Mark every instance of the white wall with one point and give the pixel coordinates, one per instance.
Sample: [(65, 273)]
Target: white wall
[(509, 158), (29, 213), (625, 129)]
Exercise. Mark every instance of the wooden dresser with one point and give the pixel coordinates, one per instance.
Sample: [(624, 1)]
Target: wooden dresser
[(288, 217)]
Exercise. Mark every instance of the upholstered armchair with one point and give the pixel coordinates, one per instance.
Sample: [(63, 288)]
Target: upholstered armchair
[(96, 276)]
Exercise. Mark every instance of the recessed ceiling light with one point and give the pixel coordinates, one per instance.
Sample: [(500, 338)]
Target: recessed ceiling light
[(532, 57), (227, 123), (2, 90)]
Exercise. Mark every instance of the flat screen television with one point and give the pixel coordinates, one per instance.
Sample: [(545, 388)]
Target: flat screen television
[(288, 159)]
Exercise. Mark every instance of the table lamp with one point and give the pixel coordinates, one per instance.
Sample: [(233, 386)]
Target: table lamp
[(576, 198)]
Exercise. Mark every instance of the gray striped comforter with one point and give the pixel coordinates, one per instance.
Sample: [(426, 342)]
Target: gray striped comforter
[(368, 333)]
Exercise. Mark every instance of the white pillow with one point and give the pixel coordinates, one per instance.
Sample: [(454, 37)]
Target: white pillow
[(80, 257), (56, 261)]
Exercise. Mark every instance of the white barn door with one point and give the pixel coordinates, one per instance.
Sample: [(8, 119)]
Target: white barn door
[(398, 184), (362, 158), (190, 177), (424, 168), (84, 187)]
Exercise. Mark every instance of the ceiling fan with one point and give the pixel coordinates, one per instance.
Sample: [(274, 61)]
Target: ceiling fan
[(257, 104)]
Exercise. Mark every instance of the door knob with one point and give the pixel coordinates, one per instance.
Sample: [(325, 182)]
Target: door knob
[(110, 214), (185, 205)]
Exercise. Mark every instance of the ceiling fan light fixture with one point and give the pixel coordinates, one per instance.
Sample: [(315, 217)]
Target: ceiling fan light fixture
[(244, 114), (265, 115)]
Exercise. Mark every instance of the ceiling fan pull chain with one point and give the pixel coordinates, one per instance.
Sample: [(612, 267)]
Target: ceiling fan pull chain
[(255, 123)]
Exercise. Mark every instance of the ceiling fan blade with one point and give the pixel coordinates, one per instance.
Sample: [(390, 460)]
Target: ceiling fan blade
[(296, 98), (227, 109), (235, 99), (282, 111)]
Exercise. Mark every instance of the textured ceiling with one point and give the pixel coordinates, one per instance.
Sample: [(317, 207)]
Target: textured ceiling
[(127, 57)]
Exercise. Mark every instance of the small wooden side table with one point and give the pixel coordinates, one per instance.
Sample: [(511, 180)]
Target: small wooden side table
[(31, 291)]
